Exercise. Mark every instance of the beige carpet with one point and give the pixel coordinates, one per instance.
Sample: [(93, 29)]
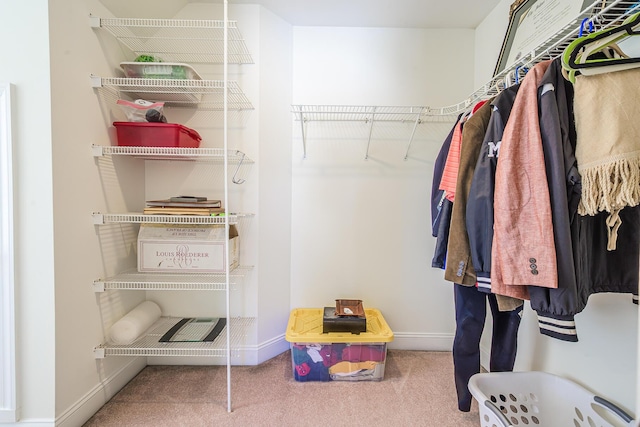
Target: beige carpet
[(417, 390)]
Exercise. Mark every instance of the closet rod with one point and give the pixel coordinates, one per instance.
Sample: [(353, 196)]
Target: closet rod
[(601, 14)]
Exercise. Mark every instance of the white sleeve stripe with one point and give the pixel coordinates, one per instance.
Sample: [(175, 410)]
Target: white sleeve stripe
[(557, 322), (558, 330)]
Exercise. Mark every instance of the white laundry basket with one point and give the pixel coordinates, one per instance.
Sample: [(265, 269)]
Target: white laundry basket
[(540, 399)]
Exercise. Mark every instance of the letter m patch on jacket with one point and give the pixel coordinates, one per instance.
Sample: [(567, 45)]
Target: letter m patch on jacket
[(494, 148)]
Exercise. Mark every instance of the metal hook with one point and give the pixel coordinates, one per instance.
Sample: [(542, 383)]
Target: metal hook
[(234, 179)]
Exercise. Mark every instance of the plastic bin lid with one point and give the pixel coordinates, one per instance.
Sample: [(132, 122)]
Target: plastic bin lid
[(305, 326)]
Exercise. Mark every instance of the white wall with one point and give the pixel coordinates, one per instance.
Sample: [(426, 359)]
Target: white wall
[(83, 184), (605, 358), (361, 228), (274, 179), (24, 29)]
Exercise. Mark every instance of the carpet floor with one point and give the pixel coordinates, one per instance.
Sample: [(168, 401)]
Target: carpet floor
[(417, 390)]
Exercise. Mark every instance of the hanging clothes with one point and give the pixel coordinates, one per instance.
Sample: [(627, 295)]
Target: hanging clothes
[(479, 215), (440, 205), (439, 259), (450, 171), (459, 269), (471, 312), (438, 195), (470, 303), (523, 251), (608, 156), (585, 265), (555, 307)]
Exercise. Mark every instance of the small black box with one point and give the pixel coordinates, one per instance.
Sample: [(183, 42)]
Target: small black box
[(334, 323)]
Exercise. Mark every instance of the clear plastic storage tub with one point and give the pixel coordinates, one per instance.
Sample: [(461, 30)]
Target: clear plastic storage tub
[(536, 398), (337, 356)]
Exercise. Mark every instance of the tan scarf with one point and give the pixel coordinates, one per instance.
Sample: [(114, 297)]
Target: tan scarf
[(607, 115)]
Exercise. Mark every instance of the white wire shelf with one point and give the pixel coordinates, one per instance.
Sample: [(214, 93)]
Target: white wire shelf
[(209, 155), (179, 40), (149, 345), (368, 114), (139, 218), (601, 14), (172, 153), (135, 280), (206, 94), (355, 113)]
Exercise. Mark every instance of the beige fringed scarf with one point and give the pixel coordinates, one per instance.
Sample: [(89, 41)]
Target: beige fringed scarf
[(607, 115)]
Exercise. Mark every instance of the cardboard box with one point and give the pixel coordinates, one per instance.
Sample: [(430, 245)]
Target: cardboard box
[(178, 248), (337, 356)]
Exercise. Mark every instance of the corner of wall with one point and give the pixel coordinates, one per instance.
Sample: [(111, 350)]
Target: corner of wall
[(488, 42), (94, 399)]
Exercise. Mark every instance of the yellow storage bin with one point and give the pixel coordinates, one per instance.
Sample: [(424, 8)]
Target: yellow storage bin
[(337, 356)]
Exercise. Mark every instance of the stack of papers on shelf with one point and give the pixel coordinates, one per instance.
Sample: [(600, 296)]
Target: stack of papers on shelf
[(184, 205)]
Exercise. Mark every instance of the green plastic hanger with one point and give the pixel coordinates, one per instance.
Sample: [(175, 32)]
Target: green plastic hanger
[(577, 55)]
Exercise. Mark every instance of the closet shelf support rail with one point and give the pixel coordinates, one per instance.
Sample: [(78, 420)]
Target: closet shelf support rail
[(413, 132), (373, 118)]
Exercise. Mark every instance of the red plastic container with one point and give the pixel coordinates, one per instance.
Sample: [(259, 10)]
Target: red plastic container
[(156, 135)]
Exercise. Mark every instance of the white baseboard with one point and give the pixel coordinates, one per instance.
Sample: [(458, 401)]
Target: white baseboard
[(8, 416), (421, 341), (86, 407), (31, 423), (432, 342)]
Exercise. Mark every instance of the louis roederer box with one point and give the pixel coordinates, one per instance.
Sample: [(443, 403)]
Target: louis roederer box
[(186, 248)]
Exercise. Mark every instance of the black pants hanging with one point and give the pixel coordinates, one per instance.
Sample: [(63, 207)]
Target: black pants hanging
[(471, 311)]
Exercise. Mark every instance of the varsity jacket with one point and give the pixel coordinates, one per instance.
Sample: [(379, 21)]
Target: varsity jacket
[(479, 215), (555, 307), (523, 251), (584, 264), (459, 269)]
